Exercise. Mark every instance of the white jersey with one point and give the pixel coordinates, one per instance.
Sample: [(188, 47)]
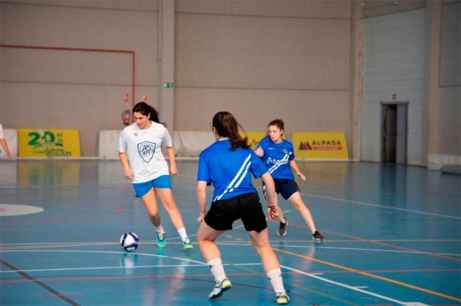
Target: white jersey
[(1, 132), (143, 147)]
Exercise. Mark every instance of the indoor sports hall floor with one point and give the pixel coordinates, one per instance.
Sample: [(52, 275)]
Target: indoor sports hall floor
[(393, 237)]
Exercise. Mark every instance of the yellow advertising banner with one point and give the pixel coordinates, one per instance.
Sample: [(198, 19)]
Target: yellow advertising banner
[(254, 137), (320, 145), (48, 143)]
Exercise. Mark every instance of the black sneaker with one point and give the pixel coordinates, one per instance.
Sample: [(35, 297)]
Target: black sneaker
[(283, 228), (317, 236)]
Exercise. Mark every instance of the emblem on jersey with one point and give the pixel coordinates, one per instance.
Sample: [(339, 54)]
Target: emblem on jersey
[(146, 150)]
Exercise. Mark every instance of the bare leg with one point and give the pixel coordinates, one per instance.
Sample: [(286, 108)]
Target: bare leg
[(263, 247), (298, 203), (169, 203), (150, 203), (206, 237), (271, 264)]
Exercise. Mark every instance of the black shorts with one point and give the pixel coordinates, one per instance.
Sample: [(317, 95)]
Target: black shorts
[(286, 187), (246, 207)]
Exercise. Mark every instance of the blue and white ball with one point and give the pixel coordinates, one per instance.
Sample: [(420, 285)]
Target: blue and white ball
[(129, 241)]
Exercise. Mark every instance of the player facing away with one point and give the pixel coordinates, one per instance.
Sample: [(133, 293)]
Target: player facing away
[(278, 154), (144, 164), (228, 164)]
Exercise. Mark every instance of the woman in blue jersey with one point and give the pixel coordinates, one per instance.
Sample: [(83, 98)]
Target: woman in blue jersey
[(278, 154), (144, 165), (228, 165)]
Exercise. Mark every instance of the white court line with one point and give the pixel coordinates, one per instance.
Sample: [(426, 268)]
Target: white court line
[(108, 252), (361, 287), (194, 235), (373, 250), (120, 268), (284, 245), (415, 211), (339, 284), (25, 247), (65, 243), (98, 268), (197, 263)]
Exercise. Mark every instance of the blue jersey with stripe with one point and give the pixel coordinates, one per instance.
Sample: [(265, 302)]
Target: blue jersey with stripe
[(277, 157), (229, 171)]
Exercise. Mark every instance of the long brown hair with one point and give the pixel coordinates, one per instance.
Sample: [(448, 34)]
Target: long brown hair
[(278, 123), (227, 126), (147, 110)]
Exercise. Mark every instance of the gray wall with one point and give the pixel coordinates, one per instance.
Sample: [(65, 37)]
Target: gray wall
[(450, 80), (263, 60), (2, 64), (82, 90), (395, 60), (257, 58)]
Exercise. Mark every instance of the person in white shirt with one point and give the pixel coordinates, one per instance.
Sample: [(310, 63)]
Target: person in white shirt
[(4, 144), (145, 166)]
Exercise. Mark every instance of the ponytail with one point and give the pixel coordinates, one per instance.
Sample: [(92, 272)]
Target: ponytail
[(227, 126), (147, 110)]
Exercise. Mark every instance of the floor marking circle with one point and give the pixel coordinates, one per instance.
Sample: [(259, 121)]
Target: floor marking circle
[(17, 210)]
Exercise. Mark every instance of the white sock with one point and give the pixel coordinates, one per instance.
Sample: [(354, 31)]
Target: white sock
[(160, 229), (183, 234), (217, 269), (275, 277)]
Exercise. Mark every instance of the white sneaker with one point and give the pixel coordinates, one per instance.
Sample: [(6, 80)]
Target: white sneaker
[(219, 288), (282, 299)]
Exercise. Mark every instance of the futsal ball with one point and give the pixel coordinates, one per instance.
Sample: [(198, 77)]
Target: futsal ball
[(129, 241)]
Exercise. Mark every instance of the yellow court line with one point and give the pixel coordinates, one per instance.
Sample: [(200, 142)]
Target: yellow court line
[(383, 278)]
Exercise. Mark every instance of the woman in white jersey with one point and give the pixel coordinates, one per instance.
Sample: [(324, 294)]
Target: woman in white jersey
[(144, 164), (228, 164), (4, 144)]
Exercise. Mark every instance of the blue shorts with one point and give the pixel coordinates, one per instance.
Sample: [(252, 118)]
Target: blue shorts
[(140, 189)]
